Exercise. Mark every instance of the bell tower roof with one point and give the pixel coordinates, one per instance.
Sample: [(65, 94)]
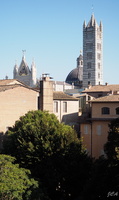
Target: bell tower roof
[(92, 21)]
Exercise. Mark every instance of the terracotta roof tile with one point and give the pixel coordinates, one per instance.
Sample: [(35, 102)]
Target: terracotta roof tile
[(109, 98), (61, 95), (10, 82), (102, 88)]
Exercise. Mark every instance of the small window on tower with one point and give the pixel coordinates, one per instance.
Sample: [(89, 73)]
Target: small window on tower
[(89, 46), (89, 55), (98, 46), (98, 75), (89, 75), (88, 65), (98, 65), (89, 35), (99, 56)]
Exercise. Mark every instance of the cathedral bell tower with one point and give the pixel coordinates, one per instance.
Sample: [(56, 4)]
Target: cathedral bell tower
[(92, 53)]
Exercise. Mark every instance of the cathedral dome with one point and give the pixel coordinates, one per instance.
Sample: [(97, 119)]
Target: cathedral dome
[(74, 77)]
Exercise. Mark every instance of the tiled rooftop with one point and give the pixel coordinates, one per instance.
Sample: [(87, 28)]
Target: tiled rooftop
[(10, 82), (62, 95), (109, 98), (102, 88)]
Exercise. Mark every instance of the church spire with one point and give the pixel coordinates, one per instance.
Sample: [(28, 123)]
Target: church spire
[(33, 74), (100, 26), (15, 71), (23, 57), (84, 24)]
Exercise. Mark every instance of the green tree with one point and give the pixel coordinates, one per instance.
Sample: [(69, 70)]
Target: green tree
[(15, 182), (52, 151), (112, 146)]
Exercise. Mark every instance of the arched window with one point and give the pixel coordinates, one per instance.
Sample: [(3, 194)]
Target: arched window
[(89, 75), (117, 111), (105, 111)]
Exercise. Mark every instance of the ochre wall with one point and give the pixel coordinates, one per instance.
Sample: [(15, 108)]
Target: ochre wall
[(92, 140), (97, 111), (15, 103)]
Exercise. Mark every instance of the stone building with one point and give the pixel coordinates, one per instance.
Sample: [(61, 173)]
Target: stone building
[(64, 106), (24, 74), (98, 112), (94, 130), (16, 100)]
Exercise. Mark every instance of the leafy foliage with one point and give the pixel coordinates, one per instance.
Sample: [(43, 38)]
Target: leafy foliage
[(112, 146), (52, 151), (15, 182)]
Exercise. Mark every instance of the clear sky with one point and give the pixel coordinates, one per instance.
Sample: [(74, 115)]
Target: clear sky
[(51, 33)]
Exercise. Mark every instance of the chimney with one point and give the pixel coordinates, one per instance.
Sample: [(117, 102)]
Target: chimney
[(46, 93)]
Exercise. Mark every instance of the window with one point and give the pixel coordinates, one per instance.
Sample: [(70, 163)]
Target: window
[(99, 130), (98, 65), (56, 107), (89, 46), (89, 35), (98, 75), (99, 35), (105, 111), (100, 95), (98, 46), (89, 65), (117, 111), (89, 75), (64, 106), (89, 55), (85, 129), (99, 56)]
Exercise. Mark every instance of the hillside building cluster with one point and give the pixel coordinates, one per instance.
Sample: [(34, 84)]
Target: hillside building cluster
[(82, 101)]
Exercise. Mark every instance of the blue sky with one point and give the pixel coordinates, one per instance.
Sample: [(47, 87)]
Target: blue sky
[(51, 33)]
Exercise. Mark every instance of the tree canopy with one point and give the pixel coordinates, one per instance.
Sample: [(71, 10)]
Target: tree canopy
[(112, 146), (15, 182), (52, 151)]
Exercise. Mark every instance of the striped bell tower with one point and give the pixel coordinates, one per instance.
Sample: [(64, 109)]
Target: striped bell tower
[(92, 53)]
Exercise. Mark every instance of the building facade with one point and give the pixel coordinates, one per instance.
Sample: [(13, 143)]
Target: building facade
[(16, 100), (92, 53), (100, 111)]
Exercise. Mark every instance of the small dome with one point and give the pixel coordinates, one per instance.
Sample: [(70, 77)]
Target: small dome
[(75, 76)]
